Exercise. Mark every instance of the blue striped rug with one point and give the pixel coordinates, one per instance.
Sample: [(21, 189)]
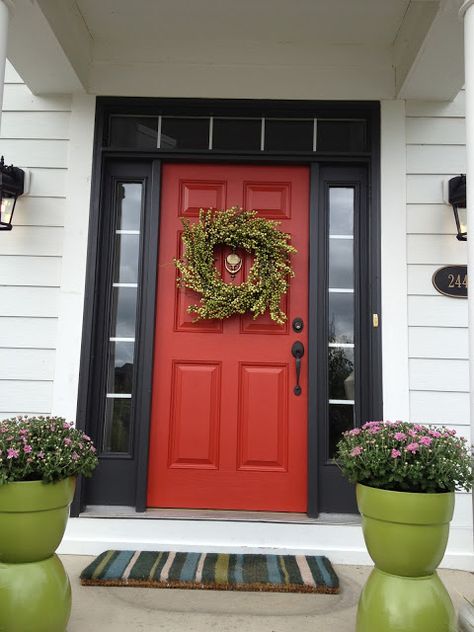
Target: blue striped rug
[(216, 571)]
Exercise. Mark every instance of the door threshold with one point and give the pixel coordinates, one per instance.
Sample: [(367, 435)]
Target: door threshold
[(107, 511)]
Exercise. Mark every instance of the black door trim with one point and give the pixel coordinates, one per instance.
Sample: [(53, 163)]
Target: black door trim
[(108, 105)]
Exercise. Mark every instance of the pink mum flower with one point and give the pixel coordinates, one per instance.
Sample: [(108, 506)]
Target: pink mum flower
[(434, 433), (86, 437), (426, 441), (67, 441), (356, 451), (395, 454), (412, 447), (412, 433), (368, 424), (12, 453), (74, 456), (40, 454), (354, 432), (27, 449), (400, 436), (374, 429)]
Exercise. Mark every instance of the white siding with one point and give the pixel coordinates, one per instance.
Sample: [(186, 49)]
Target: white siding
[(438, 352), (34, 135)]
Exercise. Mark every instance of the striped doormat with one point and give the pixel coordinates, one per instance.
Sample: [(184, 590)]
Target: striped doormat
[(214, 571)]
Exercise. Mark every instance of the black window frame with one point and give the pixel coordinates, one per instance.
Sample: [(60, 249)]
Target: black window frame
[(319, 163)]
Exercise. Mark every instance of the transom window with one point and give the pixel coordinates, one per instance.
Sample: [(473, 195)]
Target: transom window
[(221, 133)]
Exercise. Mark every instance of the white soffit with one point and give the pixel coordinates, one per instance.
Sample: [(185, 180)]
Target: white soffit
[(247, 48), (436, 67), (49, 46), (343, 49)]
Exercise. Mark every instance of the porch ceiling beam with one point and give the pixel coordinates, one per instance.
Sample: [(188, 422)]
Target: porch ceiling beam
[(428, 51), (49, 45)]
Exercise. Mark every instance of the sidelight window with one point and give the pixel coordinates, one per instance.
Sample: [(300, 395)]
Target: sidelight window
[(341, 366), (117, 427)]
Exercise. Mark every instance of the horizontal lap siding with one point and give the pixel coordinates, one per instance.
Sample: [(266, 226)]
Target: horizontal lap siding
[(438, 352), (34, 135)]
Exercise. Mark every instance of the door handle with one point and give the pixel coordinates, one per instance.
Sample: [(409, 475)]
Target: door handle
[(297, 351)]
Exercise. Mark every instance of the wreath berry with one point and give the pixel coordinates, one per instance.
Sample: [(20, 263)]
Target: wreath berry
[(267, 279)]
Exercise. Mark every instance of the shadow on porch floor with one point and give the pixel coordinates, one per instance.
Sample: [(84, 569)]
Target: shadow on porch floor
[(142, 610)]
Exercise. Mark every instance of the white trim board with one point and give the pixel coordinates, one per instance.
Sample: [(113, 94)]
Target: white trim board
[(394, 261), (343, 544)]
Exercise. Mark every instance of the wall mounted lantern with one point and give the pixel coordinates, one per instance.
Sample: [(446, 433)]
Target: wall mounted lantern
[(12, 183), (457, 198)]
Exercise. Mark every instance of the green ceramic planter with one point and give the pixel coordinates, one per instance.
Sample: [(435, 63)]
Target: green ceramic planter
[(34, 597), (405, 604), (406, 534), (33, 517)]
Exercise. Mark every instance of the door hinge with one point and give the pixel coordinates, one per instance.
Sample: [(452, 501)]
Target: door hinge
[(375, 320)]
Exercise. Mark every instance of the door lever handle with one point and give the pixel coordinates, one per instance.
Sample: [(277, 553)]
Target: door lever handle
[(297, 351)]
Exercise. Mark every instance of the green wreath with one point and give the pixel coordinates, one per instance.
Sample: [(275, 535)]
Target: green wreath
[(267, 279)]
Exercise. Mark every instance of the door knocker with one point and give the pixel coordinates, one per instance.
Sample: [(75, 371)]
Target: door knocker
[(233, 263)]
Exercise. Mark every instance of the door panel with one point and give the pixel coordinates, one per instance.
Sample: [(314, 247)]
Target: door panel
[(227, 430)]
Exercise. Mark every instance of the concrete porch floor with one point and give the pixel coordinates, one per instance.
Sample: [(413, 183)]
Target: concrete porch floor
[(98, 609)]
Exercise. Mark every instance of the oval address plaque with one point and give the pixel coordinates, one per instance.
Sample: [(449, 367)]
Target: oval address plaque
[(451, 281)]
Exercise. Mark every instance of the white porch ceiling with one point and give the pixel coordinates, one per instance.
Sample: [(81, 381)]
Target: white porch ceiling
[(352, 49)]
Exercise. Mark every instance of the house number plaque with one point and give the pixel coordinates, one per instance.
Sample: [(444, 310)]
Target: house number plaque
[(451, 281)]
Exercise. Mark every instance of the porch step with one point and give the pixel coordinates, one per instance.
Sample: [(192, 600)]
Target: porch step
[(107, 511)]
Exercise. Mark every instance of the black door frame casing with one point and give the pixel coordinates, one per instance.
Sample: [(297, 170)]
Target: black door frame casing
[(322, 167)]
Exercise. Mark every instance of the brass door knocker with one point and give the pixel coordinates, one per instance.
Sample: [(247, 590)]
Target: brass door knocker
[(233, 263)]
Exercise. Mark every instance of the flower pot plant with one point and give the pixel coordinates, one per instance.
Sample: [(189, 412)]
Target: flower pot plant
[(405, 475), (40, 458)]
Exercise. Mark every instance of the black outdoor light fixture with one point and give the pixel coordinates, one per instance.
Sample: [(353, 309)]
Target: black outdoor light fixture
[(457, 199), (12, 182)]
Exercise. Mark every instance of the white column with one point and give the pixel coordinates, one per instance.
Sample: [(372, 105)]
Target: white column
[(4, 18), (467, 10)]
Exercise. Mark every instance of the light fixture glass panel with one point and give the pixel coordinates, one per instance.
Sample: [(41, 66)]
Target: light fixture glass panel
[(462, 214), (8, 205)]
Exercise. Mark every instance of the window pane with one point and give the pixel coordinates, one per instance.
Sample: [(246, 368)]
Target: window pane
[(126, 258), (124, 307), (289, 135), (117, 425), (341, 263), (341, 136), (341, 418), (341, 317), (236, 134), (184, 133), (129, 203), (134, 131), (341, 211), (120, 371), (341, 373)]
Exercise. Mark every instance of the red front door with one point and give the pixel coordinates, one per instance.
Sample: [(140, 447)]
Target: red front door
[(227, 430)]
